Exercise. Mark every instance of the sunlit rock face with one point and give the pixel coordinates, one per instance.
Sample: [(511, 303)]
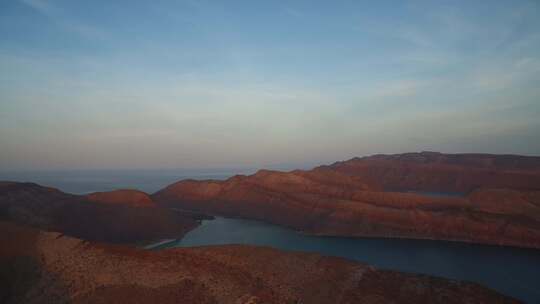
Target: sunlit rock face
[(351, 198), (39, 267)]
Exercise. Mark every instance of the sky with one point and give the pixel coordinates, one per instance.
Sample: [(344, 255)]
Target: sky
[(207, 84)]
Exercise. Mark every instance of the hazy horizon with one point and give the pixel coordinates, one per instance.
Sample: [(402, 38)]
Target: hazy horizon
[(226, 168), (208, 84)]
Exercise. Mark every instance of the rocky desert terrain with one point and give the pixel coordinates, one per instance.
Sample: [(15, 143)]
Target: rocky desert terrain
[(97, 217), (500, 202), (49, 267), (58, 247)]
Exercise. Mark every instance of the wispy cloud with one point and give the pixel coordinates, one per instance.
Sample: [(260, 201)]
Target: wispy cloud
[(397, 89), (181, 78), (289, 11), (42, 6), (62, 18)]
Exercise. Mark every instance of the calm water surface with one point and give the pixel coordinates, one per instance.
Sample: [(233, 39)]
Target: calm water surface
[(511, 271)]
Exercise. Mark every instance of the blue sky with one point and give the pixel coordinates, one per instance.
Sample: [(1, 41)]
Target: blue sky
[(172, 84)]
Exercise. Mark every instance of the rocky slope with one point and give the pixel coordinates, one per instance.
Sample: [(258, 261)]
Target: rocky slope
[(123, 197), (433, 171), (103, 217), (46, 267), (348, 199)]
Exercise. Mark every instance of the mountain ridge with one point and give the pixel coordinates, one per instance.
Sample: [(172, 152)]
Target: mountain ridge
[(351, 198)]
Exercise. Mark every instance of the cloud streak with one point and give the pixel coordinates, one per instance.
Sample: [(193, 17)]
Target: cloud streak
[(60, 17), (41, 6), (189, 84)]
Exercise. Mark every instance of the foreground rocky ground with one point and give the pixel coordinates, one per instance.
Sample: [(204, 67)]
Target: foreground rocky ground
[(48, 267), (500, 203)]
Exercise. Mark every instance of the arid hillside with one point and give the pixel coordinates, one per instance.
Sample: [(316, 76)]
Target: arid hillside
[(47, 267), (119, 221), (501, 204), (438, 172)]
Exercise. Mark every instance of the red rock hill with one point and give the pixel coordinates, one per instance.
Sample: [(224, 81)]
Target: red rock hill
[(347, 199), (123, 196)]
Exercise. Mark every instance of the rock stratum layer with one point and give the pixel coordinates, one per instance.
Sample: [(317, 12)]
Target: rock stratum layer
[(47, 267), (501, 202), (115, 217)]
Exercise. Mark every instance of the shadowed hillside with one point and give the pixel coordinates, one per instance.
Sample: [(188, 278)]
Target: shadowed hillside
[(79, 216)]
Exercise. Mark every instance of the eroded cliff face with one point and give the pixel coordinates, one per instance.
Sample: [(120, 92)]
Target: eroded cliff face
[(39, 267), (330, 200), (117, 221)]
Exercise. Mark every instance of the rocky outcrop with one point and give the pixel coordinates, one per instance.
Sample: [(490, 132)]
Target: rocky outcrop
[(74, 215), (124, 196), (330, 200), (43, 267)]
